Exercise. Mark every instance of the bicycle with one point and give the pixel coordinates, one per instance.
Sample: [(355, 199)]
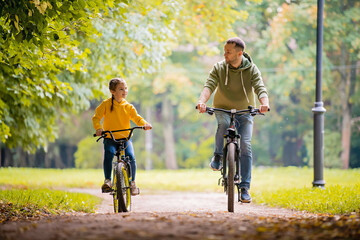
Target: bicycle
[(231, 152), (122, 172)]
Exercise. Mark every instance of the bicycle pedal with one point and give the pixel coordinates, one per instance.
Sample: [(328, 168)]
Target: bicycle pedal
[(107, 190), (222, 181)]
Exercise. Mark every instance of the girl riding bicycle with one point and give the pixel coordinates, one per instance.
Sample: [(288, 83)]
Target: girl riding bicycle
[(117, 113)]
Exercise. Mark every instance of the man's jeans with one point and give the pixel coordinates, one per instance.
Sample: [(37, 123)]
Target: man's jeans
[(109, 151), (244, 126)]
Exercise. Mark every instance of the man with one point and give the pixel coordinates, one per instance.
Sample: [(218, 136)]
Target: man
[(235, 80)]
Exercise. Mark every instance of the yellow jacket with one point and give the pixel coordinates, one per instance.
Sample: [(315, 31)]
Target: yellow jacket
[(117, 119)]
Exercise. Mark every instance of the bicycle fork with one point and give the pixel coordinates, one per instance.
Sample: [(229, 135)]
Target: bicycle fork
[(230, 138)]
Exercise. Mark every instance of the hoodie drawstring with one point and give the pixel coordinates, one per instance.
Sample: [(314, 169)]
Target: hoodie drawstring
[(242, 81), (227, 71)]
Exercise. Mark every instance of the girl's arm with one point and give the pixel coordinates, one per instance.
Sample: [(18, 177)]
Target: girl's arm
[(99, 114)]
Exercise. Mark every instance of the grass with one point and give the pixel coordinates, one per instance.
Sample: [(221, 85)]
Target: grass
[(30, 192), (50, 178), (289, 187), (20, 203), (51, 199)]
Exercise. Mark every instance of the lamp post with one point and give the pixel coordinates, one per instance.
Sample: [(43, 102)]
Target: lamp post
[(319, 109)]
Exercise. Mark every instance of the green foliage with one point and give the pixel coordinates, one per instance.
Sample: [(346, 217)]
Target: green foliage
[(89, 154), (58, 55), (283, 45), (332, 144), (200, 155)]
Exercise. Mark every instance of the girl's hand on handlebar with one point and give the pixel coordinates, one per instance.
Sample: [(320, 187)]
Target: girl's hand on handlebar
[(98, 132), (147, 126)]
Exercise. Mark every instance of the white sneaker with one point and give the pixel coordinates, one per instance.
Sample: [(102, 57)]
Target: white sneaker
[(134, 189)]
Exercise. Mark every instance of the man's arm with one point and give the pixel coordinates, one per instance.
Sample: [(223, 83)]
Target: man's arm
[(204, 97)]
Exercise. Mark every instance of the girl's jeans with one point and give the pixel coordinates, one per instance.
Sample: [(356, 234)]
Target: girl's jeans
[(109, 151), (244, 126)]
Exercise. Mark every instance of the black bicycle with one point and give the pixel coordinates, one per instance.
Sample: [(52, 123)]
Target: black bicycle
[(231, 152), (122, 178)]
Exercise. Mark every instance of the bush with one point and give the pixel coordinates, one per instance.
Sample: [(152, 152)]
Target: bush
[(89, 153)]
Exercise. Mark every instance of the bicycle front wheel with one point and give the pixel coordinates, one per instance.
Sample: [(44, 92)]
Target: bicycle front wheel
[(230, 159), (117, 207), (123, 188)]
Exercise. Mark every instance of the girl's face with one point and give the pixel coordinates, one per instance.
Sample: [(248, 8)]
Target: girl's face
[(120, 92)]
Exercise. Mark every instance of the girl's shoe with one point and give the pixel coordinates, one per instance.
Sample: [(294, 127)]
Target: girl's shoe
[(134, 189), (106, 187)]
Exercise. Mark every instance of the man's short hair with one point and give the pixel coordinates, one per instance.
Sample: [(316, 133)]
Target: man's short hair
[(239, 43)]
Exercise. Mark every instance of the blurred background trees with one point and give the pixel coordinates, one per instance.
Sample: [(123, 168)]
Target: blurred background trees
[(58, 56)]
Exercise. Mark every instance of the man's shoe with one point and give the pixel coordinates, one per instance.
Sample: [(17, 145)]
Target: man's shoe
[(237, 179), (134, 189), (106, 187), (245, 196), (216, 162)]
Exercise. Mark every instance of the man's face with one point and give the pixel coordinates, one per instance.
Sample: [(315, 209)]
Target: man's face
[(232, 55)]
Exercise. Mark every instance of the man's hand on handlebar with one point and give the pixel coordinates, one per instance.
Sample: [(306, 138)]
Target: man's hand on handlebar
[(264, 108), (201, 107)]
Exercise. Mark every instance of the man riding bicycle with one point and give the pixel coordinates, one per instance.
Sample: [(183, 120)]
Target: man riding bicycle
[(234, 81)]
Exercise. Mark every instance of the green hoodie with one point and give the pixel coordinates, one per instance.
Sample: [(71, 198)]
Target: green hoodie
[(234, 88)]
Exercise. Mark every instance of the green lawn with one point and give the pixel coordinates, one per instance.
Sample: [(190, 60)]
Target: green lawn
[(289, 187)]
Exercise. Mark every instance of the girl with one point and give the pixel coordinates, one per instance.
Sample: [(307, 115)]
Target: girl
[(117, 113)]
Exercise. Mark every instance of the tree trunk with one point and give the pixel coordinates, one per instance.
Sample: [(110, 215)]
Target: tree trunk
[(346, 121), (346, 138), (291, 151), (168, 130), (347, 88), (148, 142), (8, 157), (47, 158)]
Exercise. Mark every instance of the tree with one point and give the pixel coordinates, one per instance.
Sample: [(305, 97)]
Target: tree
[(39, 41), (343, 24), (288, 36)]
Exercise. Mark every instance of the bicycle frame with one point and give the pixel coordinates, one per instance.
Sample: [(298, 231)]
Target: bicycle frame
[(231, 137)]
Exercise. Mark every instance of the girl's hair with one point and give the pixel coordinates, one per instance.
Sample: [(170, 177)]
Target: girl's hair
[(112, 86)]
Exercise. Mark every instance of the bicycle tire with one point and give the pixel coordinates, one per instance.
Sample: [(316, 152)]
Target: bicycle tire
[(115, 190), (230, 159), (123, 193)]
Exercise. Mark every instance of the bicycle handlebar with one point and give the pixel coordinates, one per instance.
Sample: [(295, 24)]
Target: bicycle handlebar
[(253, 111), (103, 133)]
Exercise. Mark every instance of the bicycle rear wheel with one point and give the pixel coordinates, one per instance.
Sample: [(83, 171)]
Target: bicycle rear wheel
[(230, 159), (123, 187)]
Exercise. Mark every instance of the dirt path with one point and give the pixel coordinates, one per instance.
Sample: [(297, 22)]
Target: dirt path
[(184, 216)]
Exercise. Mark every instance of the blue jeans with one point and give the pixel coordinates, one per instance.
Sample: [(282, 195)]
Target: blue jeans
[(109, 152), (244, 126)]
